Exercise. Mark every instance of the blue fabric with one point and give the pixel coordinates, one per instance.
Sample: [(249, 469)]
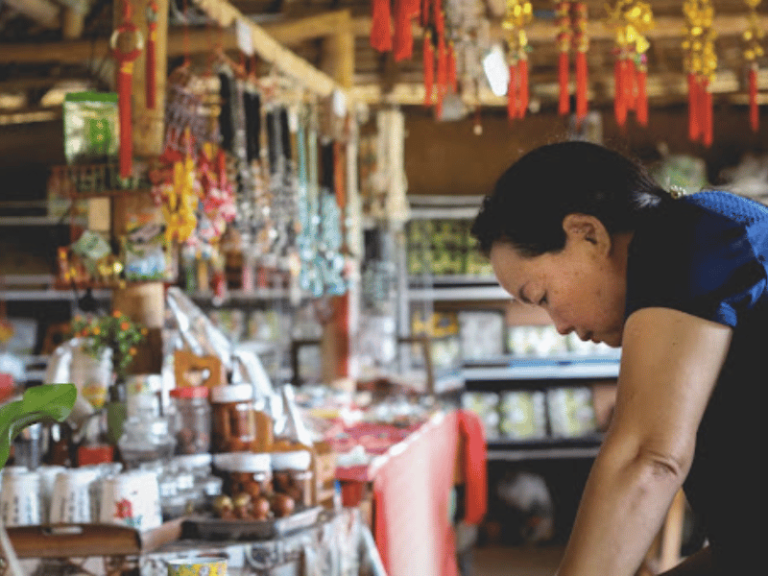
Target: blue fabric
[(705, 255)]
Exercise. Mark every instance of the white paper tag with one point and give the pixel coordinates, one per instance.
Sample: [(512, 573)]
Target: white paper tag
[(244, 40)]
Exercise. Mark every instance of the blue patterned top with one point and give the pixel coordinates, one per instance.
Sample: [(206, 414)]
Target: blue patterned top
[(705, 254)]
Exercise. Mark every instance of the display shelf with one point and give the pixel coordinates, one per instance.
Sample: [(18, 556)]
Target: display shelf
[(47, 294), (559, 367), (545, 449), (257, 295), (459, 293), (12, 221)]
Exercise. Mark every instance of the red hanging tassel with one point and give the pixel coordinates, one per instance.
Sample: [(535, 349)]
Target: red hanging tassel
[(754, 114), (439, 19), (522, 68), (620, 97), (562, 74), (453, 82), (642, 97), (151, 62), (442, 74), (630, 84), (706, 98), (512, 100), (403, 40), (581, 85), (425, 13), (381, 27), (429, 69), (694, 129)]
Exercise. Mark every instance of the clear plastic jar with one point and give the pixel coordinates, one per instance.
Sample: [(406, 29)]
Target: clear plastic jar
[(192, 420), (246, 473), (293, 476), (146, 440), (234, 422)]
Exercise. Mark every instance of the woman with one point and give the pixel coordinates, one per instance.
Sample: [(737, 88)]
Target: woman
[(680, 284)]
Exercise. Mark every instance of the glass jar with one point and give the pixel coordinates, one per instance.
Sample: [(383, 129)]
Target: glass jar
[(192, 419), (234, 422), (292, 475), (146, 440), (245, 473)]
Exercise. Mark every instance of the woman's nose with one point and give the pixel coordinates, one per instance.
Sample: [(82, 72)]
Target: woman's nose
[(563, 328)]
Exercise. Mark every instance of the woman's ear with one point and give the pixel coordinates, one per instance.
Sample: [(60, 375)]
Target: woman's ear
[(587, 228)]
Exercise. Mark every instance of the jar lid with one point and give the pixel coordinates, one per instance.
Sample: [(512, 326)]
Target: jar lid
[(297, 460), (242, 462), (192, 461), (232, 393), (190, 392)]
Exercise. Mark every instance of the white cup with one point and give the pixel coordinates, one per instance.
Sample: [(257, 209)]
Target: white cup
[(131, 499), (47, 481), (20, 499), (72, 501)]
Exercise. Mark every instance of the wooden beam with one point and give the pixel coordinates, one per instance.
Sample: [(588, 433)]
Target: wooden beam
[(658, 86), (43, 12), (270, 50), (542, 31), (200, 41)]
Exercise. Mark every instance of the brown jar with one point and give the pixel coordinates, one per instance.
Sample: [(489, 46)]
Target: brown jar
[(234, 423), (245, 473), (293, 476)]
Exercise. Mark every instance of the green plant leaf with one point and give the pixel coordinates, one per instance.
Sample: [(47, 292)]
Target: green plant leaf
[(54, 401)]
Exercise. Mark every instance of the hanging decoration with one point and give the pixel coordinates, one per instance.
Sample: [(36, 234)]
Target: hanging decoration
[(126, 44), (580, 47), (753, 50), (518, 15), (469, 33), (381, 26), (631, 20), (151, 58), (405, 12), (700, 64), (564, 33)]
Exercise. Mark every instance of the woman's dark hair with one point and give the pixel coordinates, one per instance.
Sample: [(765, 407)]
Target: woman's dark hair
[(531, 199)]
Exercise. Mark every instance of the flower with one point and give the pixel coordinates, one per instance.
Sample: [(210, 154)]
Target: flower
[(116, 332)]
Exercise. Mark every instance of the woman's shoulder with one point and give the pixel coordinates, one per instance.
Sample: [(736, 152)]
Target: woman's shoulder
[(741, 211)]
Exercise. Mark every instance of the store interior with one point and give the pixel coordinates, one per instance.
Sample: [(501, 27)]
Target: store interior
[(241, 230)]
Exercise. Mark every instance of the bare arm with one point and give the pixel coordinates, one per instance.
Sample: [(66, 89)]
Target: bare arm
[(670, 363)]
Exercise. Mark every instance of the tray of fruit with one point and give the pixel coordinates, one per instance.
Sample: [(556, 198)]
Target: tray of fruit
[(240, 518)]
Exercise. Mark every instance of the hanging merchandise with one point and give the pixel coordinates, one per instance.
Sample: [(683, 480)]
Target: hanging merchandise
[(518, 15), (700, 65), (381, 26), (563, 16), (631, 20), (151, 57), (469, 32), (405, 12), (91, 128), (580, 46), (126, 44), (753, 50)]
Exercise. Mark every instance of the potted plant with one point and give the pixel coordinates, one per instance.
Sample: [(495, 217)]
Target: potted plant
[(49, 401)]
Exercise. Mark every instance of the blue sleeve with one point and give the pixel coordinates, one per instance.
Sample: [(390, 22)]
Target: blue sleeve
[(698, 262)]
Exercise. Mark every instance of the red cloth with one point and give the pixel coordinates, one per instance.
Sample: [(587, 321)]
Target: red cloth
[(475, 470), (412, 490)]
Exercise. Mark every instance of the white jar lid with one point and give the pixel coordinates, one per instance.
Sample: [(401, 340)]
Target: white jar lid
[(296, 460), (242, 462), (231, 393), (192, 461)]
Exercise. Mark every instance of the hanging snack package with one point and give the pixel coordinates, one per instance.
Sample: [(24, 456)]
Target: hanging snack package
[(146, 255), (91, 127), (92, 248)]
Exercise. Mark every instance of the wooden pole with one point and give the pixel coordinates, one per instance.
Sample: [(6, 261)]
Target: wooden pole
[(144, 302), (338, 61)]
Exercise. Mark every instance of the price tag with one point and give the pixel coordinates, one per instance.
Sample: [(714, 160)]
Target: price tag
[(244, 40)]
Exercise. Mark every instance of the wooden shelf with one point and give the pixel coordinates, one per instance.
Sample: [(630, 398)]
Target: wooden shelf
[(544, 449)]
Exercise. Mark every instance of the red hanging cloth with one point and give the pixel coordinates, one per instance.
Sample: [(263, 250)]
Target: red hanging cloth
[(619, 97), (562, 74), (754, 113), (402, 44), (642, 97), (630, 84), (581, 85), (429, 69), (694, 128), (522, 69), (381, 27), (706, 100), (512, 97)]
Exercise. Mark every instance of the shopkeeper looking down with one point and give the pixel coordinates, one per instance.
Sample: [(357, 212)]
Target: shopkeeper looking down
[(680, 285)]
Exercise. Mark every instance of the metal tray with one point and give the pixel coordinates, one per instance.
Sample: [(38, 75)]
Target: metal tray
[(211, 528)]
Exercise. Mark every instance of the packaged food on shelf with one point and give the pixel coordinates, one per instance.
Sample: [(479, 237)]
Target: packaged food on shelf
[(482, 334), (523, 415), (571, 412), (486, 406)]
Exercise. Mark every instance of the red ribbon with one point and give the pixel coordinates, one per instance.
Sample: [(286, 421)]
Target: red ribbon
[(381, 27), (642, 98), (512, 103), (694, 130), (754, 114), (522, 69), (581, 85), (151, 59)]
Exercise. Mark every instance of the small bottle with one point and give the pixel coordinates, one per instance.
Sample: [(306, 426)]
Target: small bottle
[(192, 419), (234, 422)]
